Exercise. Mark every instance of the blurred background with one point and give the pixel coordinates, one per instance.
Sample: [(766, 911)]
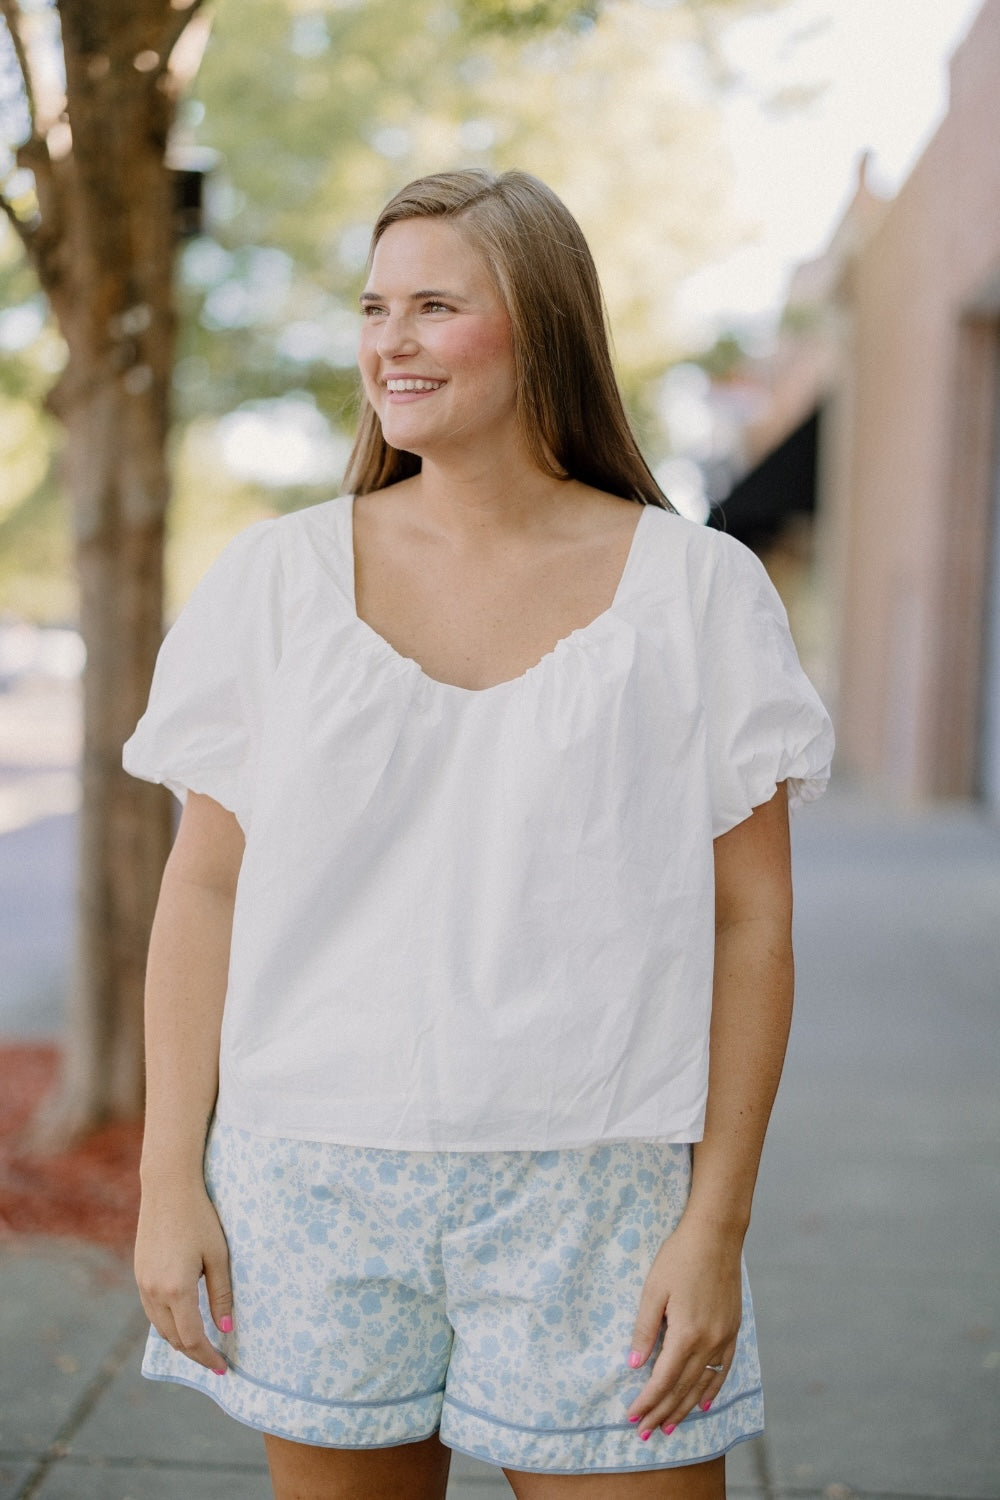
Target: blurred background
[(795, 210)]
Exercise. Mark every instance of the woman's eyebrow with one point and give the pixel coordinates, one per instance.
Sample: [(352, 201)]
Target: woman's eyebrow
[(419, 296)]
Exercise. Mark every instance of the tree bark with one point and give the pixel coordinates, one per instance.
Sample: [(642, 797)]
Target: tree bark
[(104, 249)]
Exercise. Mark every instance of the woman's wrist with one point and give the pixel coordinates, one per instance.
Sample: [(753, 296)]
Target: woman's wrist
[(719, 1201), (171, 1175), (722, 1230), (172, 1162)]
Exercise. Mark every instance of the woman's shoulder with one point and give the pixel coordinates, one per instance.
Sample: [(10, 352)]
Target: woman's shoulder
[(681, 531), (685, 568), (326, 519), (698, 545), (318, 533), (673, 543)]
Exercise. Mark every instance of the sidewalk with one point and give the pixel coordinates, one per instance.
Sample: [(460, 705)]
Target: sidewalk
[(874, 1252)]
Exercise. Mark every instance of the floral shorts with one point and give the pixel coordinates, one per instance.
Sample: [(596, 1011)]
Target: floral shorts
[(382, 1296)]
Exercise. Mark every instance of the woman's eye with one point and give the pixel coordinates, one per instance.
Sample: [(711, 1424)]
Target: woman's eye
[(437, 307), (371, 310)]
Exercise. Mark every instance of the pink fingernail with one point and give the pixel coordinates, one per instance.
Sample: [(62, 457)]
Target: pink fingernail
[(219, 1372), (670, 1429), (633, 1419), (706, 1406), (225, 1325), (645, 1436), (634, 1360)]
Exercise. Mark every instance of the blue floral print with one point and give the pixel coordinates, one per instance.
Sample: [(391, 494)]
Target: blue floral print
[(381, 1295)]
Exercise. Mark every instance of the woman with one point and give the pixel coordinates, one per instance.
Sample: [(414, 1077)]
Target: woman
[(487, 773)]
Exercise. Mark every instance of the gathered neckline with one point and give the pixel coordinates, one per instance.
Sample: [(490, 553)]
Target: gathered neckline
[(576, 636)]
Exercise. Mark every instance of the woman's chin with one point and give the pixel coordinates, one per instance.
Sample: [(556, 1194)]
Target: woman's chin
[(406, 436), (404, 443)]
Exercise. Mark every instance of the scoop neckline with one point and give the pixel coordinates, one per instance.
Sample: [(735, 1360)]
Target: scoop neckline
[(574, 636)]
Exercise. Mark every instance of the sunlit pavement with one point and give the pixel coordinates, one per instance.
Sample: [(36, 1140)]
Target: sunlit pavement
[(874, 1253)]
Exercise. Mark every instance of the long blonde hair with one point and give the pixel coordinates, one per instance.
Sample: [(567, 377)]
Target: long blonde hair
[(568, 401)]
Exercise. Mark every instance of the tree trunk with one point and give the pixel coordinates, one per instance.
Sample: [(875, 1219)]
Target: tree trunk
[(106, 262), (124, 830)]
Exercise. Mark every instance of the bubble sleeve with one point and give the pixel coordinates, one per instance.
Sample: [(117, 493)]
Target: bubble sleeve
[(201, 728), (765, 721)]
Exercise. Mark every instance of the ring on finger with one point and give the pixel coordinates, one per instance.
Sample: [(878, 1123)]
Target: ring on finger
[(717, 1369)]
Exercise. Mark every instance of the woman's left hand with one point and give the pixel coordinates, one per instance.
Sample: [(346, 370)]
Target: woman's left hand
[(695, 1284)]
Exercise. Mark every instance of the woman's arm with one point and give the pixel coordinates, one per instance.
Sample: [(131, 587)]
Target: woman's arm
[(695, 1280), (179, 1236)]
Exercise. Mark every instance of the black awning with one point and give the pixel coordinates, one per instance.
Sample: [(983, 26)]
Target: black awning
[(783, 484)]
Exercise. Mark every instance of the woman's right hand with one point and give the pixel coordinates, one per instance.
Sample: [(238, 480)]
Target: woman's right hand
[(179, 1240)]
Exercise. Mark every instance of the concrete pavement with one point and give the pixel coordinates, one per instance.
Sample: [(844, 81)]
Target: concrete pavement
[(874, 1252), (876, 1248)]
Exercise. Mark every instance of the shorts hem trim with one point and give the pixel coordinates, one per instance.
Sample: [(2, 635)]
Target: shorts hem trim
[(674, 1463), (613, 1448), (466, 1444), (692, 1419), (281, 1390)]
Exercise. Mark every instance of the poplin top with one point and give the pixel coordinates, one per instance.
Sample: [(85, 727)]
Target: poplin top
[(476, 919)]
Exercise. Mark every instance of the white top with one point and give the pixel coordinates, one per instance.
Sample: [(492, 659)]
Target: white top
[(476, 919)]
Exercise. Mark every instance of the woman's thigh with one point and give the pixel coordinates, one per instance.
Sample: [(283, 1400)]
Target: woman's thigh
[(705, 1481), (408, 1471)]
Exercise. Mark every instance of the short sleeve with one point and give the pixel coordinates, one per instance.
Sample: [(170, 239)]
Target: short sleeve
[(765, 721), (201, 728)]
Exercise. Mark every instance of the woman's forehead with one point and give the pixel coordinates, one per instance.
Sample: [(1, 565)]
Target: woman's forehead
[(413, 250)]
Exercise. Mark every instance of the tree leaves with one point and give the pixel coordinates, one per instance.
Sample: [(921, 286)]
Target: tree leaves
[(522, 17), (320, 109)]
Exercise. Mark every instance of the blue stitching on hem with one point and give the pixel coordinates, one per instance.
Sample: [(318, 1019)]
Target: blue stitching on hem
[(280, 1390), (677, 1463), (455, 1447), (540, 1432)]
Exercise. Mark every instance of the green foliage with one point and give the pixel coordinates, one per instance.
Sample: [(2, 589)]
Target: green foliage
[(357, 99), (34, 540), (319, 110), (524, 16), (725, 357)]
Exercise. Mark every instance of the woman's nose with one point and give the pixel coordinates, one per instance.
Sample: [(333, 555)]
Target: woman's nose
[(395, 337)]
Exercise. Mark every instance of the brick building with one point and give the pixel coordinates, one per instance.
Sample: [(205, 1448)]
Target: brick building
[(897, 357)]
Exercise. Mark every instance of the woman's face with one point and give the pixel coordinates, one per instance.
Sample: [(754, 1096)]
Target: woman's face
[(436, 352)]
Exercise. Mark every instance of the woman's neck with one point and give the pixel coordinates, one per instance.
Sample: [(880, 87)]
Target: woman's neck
[(489, 493)]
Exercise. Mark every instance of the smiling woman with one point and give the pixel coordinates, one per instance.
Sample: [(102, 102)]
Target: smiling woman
[(437, 364), (527, 255), (486, 767)]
